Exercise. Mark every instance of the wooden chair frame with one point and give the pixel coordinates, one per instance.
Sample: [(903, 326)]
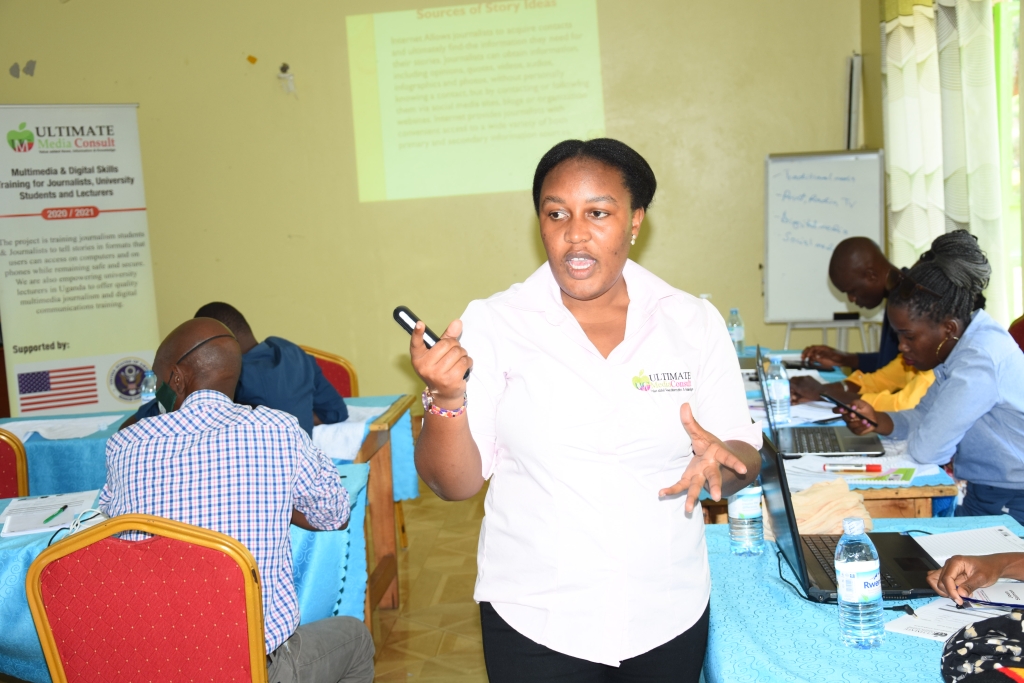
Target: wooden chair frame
[(156, 526), (335, 358), (21, 462), (382, 583)]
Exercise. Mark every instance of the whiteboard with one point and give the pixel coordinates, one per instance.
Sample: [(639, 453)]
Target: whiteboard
[(812, 203)]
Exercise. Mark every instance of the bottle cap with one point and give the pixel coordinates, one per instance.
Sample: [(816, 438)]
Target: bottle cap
[(774, 358), (853, 526), (734, 311)]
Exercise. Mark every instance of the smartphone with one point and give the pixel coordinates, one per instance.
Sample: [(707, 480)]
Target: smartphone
[(407, 319), (837, 402), (803, 365)]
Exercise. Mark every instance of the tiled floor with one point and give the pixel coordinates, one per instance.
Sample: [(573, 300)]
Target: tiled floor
[(435, 634)]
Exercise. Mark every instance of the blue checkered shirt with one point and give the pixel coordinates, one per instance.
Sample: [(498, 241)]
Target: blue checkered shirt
[(236, 470)]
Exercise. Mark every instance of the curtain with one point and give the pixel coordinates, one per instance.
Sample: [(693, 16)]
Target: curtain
[(942, 131), (970, 135), (912, 122)]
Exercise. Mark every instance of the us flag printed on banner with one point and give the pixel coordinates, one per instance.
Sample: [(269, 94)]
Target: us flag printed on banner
[(61, 388)]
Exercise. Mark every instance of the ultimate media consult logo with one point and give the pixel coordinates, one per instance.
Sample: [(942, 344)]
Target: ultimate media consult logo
[(21, 140), (663, 381), (62, 138)]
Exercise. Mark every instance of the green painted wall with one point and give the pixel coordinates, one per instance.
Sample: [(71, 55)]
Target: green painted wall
[(252, 193)]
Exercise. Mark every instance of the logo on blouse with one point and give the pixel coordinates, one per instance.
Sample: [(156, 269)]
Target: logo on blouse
[(656, 382)]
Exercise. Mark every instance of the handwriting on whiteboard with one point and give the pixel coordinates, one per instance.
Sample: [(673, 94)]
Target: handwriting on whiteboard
[(805, 175), (813, 198)]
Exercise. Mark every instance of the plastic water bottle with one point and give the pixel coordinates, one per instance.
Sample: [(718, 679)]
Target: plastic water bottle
[(746, 533), (736, 332), (148, 386), (778, 389), (860, 587)]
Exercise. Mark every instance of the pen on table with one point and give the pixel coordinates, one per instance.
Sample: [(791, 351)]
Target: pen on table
[(51, 517), (851, 468)]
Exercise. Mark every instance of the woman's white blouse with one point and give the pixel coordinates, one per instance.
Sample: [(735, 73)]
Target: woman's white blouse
[(577, 552)]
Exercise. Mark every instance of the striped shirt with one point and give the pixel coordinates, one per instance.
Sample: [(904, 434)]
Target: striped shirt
[(236, 470)]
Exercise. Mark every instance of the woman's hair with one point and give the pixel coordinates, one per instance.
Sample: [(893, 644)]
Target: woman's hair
[(637, 175), (947, 281)]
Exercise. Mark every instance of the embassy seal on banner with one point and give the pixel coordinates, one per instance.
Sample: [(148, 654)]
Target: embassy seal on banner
[(76, 297)]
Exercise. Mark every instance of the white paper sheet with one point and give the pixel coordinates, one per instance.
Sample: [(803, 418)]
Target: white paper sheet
[(58, 428), (806, 471), (805, 372), (1004, 592), (27, 515), (799, 414), (987, 541), (342, 440), (939, 619)]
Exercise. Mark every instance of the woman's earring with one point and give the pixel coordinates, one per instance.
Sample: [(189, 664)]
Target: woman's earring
[(943, 342), (633, 241)]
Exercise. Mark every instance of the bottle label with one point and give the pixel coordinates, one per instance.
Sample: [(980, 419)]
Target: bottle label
[(746, 504), (859, 581), (778, 389), (736, 333)]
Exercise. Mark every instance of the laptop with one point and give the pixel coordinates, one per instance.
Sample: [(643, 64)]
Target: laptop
[(904, 564), (825, 441)]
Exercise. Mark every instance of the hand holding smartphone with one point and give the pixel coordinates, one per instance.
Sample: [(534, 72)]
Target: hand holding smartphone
[(850, 409), (407, 320)]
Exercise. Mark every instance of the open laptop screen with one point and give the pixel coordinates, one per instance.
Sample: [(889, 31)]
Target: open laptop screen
[(777, 500), (762, 381)]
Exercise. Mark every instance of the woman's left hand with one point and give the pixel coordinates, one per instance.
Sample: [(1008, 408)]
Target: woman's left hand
[(709, 455)]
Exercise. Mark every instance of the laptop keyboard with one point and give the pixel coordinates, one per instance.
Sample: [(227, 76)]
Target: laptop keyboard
[(815, 440), (824, 549)]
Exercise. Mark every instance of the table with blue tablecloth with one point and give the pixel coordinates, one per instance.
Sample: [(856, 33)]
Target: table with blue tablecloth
[(70, 465), (67, 465), (329, 566), (930, 495), (761, 631)]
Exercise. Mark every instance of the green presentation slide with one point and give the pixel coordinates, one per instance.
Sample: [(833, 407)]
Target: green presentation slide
[(466, 99)]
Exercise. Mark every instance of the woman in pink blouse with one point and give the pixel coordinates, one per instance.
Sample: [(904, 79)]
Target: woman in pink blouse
[(601, 400)]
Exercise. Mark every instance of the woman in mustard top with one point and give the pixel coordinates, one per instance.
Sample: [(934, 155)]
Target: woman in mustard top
[(897, 386)]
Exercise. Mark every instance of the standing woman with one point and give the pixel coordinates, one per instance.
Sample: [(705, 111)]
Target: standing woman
[(974, 412), (601, 401)]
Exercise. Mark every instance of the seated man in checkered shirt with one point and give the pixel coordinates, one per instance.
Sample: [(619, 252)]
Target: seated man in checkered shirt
[(248, 473)]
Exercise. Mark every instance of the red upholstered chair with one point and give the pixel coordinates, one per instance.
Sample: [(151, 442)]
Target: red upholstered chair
[(182, 605), (1017, 331), (338, 371), (13, 466)]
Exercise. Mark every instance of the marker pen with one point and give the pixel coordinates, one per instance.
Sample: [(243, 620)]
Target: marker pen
[(851, 468)]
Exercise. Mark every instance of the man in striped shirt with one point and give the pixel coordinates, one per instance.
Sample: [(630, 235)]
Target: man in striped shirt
[(245, 472)]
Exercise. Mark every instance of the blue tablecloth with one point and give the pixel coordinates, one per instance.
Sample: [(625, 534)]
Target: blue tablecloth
[(330, 579), (761, 631), (330, 566), (67, 465), (403, 466), (70, 465)]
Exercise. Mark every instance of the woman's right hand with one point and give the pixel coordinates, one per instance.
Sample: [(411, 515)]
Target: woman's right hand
[(803, 389), (442, 367), (828, 357), (858, 425), (962, 575)]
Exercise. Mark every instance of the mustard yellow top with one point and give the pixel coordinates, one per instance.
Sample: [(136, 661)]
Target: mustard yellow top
[(895, 387)]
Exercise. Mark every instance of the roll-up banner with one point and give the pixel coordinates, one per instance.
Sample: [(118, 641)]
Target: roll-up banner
[(77, 306)]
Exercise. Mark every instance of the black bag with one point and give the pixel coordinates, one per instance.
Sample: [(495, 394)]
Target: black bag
[(978, 651)]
